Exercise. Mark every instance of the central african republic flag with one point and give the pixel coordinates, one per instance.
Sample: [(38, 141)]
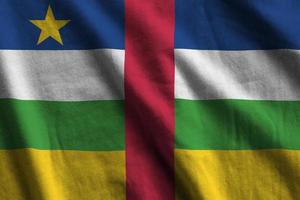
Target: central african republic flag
[(149, 99)]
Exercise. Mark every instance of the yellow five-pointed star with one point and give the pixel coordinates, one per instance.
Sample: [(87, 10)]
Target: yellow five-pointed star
[(50, 27)]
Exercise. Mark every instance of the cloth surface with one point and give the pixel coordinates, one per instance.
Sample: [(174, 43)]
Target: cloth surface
[(149, 100)]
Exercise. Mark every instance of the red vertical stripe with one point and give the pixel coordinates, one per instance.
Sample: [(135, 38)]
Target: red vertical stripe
[(149, 97)]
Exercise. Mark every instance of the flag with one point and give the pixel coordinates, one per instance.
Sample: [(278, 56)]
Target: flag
[(149, 100)]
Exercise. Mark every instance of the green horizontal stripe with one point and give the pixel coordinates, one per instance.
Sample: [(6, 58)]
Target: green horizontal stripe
[(89, 125), (237, 124)]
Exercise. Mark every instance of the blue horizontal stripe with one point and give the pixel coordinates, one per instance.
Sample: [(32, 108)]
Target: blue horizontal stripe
[(94, 24), (237, 24)]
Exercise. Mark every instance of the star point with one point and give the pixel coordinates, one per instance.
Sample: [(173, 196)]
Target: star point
[(50, 27)]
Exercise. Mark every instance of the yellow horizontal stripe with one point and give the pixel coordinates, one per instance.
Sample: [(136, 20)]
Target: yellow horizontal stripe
[(61, 175), (236, 175)]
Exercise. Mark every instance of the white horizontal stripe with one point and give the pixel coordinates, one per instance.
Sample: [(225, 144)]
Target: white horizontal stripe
[(62, 75), (256, 74)]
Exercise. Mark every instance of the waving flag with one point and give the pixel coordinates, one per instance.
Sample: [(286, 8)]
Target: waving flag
[(149, 100)]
